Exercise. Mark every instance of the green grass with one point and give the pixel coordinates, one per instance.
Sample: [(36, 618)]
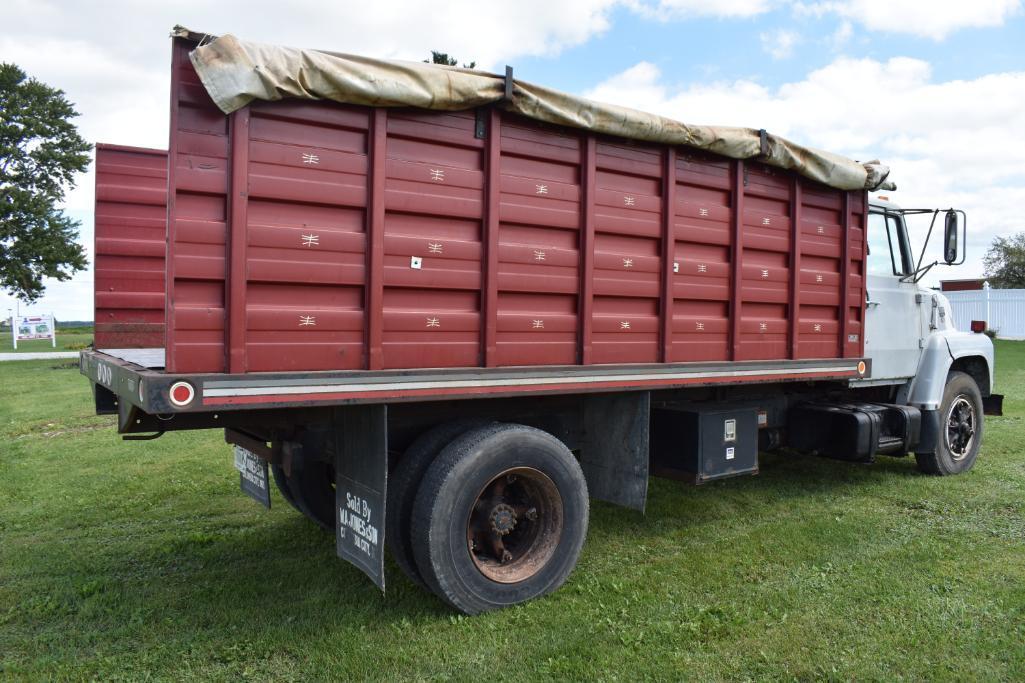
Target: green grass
[(70, 339), (123, 560)]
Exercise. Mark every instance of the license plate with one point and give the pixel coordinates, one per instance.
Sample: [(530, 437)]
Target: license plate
[(252, 473)]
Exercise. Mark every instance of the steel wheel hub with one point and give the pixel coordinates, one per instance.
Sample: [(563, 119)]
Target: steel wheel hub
[(515, 525)]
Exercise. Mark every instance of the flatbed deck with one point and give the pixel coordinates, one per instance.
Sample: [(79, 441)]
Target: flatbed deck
[(137, 376), (151, 359)]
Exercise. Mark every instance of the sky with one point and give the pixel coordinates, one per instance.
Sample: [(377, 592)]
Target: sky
[(933, 88)]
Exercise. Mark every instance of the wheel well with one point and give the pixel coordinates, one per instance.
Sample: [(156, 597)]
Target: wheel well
[(977, 369)]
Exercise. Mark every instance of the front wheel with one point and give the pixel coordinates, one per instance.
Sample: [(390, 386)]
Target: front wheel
[(500, 517), (961, 426)]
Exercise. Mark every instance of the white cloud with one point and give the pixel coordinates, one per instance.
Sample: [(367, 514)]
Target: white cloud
[(779, 44), (114, 63), (675, 9), (944, 148), (934, 19), (842, 35)]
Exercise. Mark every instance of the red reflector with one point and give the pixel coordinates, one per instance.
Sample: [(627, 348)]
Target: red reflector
[(181, 393), (978, 326)]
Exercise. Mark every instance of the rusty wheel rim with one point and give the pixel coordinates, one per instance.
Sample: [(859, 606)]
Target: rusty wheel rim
[(515, 525)]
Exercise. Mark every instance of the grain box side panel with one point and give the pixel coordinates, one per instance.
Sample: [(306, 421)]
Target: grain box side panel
[(305, 251), (765, 264), (130, 238), (433, 236), (197, 223), (821, 278), (627, 254), (854, 341), (538, 244), (701, 251)]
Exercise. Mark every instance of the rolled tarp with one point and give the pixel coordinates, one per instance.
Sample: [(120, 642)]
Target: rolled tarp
[(236, 72)]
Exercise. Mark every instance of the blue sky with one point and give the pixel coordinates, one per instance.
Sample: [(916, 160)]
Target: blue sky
[(730, 48), (936, 89)]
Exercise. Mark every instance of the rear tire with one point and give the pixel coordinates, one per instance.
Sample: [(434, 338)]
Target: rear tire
[(312, 490), (281, 481), (403, 483), (500, 518), (961, 427)]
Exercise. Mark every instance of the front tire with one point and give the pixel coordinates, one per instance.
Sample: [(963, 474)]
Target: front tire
[(500, 518), (961, 427)]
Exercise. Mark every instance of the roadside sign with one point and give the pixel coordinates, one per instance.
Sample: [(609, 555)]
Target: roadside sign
[(27, 327)]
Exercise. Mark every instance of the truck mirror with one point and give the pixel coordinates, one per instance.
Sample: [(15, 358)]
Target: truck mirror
[(950, 237)]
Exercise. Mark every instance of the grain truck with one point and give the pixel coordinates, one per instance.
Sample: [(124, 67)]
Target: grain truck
[(442, 309)]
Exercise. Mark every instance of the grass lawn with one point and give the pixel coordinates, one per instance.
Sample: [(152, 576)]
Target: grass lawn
[(123, 560), (71, 339)]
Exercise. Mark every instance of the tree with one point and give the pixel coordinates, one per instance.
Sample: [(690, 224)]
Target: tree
[(40, 153), (1005, 262), (443, 58)]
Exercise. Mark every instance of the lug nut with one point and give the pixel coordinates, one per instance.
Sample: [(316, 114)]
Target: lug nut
[(531, 514)]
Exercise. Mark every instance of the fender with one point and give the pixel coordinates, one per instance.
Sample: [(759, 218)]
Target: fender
[(944, 350)]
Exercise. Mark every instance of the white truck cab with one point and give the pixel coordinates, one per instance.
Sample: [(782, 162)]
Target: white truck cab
[(913, 345)]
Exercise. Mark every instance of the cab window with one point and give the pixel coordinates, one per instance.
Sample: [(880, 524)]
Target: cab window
[(884, 254), (898, 233)]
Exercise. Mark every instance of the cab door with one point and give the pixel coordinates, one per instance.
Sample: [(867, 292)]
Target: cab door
[(893, 326)]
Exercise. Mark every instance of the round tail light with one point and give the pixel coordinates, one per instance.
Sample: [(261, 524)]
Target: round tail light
[(181, 394)]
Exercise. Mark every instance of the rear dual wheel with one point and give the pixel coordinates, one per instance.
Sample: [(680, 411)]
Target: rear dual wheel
[(499, 518), (310, 489), (403, 483)]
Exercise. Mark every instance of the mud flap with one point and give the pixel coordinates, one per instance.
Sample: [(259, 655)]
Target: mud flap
[(361, 480), (614, 447)]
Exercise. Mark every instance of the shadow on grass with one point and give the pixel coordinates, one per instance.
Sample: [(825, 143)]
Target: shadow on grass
[(784, 477), (277, 572)]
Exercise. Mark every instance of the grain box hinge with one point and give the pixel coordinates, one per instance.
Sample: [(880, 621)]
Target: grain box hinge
[(508, 83), (480, 125)]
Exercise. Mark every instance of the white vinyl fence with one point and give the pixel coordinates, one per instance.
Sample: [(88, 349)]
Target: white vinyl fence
[(1002, 309)]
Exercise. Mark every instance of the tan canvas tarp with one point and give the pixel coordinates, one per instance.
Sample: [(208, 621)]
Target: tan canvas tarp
[(236, 72)]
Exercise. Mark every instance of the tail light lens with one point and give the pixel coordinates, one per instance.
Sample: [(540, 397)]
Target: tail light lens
[(181, 394), (978, 326)]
